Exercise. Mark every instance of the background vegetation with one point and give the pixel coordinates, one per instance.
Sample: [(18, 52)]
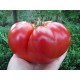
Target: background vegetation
[(71, 19)]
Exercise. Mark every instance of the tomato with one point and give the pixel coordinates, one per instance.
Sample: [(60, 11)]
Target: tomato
[(41, 44)]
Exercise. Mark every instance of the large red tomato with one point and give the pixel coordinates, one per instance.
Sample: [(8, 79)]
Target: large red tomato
[(41, 44)]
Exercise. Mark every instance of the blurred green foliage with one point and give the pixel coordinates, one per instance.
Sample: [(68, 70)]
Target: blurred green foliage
[(71, 19), (5, 52)]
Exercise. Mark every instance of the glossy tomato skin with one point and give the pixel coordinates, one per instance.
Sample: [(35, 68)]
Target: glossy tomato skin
[(18, 37), (39, 45), (62, 38)]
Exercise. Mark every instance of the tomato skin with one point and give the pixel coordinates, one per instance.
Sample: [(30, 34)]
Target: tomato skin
[(62, 38), (18, 37), (41, 44)]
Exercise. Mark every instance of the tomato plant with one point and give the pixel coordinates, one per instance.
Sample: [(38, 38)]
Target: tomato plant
[(40, 44)]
